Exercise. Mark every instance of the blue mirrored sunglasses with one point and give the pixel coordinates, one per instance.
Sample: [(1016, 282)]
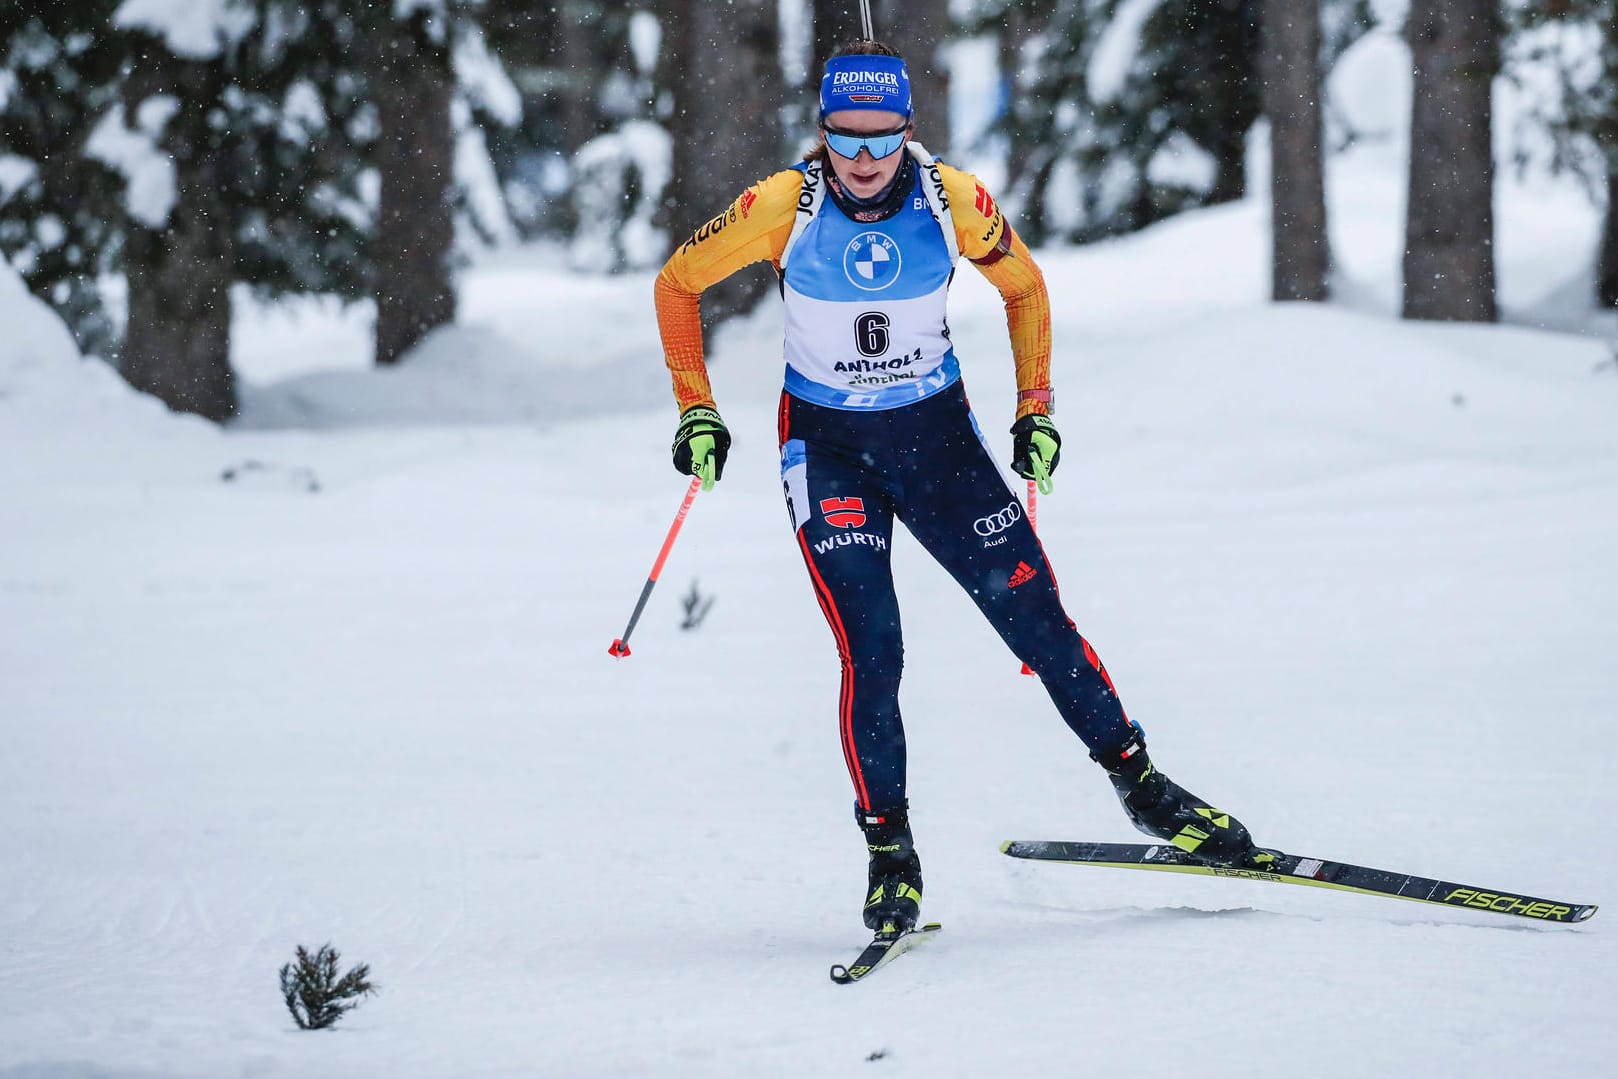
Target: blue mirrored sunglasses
[(849, 145)]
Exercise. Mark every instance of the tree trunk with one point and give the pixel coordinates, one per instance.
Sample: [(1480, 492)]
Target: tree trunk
[(1230, 167), (1449, 233), (1009, 44), (412, 85), (575, 56), (727, 128), (1607, 267), (1291, 73), (835, 25), (918, 29), (674, 77), (177, 338), (1607, 270)]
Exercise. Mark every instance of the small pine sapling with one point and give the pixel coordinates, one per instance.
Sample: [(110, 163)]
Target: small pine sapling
[(316, 996), (696, 607)]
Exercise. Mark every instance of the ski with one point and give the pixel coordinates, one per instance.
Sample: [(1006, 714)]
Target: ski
[(1315, 872), (883, 949)]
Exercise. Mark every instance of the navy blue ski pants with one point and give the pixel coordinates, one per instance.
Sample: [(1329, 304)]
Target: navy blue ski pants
[(847, 475)]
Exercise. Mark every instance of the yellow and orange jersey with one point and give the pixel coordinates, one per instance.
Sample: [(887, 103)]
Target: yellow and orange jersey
[(758, 226), (753, 228)]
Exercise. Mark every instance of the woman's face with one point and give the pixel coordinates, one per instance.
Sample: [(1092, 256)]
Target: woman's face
[(864, 175)]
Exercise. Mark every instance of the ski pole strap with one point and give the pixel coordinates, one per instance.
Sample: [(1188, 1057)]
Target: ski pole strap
[(1042, 473)]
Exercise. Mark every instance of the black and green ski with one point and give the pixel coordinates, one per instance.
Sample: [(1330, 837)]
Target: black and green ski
[(884, 948), (1315, 872)]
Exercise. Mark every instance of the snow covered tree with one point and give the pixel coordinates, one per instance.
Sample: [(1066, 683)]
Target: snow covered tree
[(617, 177), (726, 123), (200, 148), (1449, 232), (1564, 53), (1021, 26), (1204, 57), (580, 67), (1123, 112), (1175, 90), (1046, 113), (239, 133), (1300, 257), (191, 150), (59, 209), (1082, 134)]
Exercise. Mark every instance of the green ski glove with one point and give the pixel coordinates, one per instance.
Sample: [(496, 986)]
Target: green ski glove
[(700, 445), (1036, 447)]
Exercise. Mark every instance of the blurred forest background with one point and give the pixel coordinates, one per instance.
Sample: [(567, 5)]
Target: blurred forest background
[(156, 155)]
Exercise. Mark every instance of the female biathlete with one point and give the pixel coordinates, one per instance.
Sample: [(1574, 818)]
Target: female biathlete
[(874, 425)]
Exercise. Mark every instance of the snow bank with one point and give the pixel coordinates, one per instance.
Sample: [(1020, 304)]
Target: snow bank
[(512, 358), (43, 379), (35, 337), (61, 413), (458, 375)]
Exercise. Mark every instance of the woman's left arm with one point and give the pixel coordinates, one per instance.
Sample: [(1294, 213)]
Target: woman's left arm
[(987, 238)]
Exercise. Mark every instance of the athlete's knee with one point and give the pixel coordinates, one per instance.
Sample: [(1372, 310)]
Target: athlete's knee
[(876, 659)]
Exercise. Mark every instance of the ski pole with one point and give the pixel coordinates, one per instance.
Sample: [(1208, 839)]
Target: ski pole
[(1033, 518), (620, 646)]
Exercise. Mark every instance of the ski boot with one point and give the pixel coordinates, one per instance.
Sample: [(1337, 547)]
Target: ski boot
[(893, 890), (1165, 810)]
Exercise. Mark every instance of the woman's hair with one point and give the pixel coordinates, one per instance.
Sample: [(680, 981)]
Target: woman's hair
[(859, 47), (865, 47)]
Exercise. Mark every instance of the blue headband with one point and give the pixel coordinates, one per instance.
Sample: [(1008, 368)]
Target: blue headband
[(865, 82)]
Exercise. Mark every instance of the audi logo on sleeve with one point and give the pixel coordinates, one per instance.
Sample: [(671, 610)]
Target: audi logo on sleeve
[(999, 522)]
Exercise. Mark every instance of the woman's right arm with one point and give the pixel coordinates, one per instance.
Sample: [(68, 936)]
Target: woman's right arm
[(753, 228)]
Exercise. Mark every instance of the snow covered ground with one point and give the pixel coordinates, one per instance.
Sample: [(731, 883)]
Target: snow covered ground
[(340, 673)]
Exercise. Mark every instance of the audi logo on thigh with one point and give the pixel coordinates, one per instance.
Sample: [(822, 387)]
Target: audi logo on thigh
[(999, 522)]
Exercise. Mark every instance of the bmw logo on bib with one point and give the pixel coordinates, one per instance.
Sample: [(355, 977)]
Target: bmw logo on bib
[(871, 261)]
